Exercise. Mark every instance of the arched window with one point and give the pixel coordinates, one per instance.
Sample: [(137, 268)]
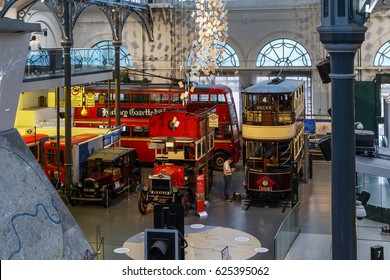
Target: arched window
[(283, 53), (228, 58), (109, 54), (382, 57)]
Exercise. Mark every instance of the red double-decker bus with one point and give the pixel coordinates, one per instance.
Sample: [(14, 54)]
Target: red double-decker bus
[(139, 102)]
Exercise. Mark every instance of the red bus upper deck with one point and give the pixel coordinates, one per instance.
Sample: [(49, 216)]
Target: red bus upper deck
[(139, 102)]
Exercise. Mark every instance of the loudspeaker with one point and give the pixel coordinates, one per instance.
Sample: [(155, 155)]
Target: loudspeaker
[(161, 244), (324, 70), (325, 147)]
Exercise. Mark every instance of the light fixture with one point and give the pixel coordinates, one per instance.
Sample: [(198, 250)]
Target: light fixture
[(360, 211), (211, 33)]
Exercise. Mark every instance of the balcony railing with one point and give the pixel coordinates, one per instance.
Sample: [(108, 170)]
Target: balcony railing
[(49, 63)]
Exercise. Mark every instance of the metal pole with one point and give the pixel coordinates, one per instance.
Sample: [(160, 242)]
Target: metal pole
[(117, 83), (207, 158), (67, 44), (306, 157), (109, 103), (342, 36), (57, 92)]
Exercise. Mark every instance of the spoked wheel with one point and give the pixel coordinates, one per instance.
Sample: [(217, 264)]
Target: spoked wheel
[(185, 201), (142, 203)]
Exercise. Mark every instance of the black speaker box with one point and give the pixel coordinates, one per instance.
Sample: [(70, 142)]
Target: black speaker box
[(324, 70), (325, 147)]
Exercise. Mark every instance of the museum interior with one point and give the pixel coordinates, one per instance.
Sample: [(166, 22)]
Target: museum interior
[(195, 130)]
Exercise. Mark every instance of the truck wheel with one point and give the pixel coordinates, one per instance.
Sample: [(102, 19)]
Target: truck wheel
[(142, 204), (106, 200), (73, 202), (185, 201), (218, 160)]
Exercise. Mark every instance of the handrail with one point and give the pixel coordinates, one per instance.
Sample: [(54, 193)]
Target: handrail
[(49, 63)]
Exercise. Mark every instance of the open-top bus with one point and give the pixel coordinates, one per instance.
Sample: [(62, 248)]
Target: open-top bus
[(183, 147), (139, 102), (273, 134)]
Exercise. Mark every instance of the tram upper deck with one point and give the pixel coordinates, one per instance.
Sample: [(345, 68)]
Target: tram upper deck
[(272, 109)]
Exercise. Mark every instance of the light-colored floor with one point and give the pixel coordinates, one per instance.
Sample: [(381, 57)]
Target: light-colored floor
[(109, 229)]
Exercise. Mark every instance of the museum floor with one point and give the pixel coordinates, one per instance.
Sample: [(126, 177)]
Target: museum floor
[(117, 232)]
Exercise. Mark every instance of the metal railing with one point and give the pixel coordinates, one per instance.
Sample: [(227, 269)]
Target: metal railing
[(49, 63)]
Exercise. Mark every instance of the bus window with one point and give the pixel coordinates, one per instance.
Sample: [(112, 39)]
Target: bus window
[(159, 98), (218, 132), (235, 132), (175, 98), (194, 97), (233, 115), (140, 131), (221, 98), (50, 158), (125, 98), (140, 98), (203, 97), (214, 97), (228, 132), (125, 131)]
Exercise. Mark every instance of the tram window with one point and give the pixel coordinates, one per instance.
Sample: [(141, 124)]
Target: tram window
[(159, 98), (214, 97), (221, 98)]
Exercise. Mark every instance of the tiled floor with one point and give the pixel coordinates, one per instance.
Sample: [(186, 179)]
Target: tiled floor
[(122, 220)]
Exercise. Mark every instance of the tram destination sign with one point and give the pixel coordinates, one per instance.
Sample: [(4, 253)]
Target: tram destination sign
[(131, 112)]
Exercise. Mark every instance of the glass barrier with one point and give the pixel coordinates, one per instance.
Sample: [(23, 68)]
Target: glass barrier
[(374, 230), (287, 233), (378, 189), (49, 63)]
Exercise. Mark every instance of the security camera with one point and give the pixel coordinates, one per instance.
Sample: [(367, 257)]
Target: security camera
[(360, 211), (359, 126)]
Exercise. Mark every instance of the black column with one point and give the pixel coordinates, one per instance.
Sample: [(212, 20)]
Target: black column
[(67, 44), (342, 36), (117, 46)]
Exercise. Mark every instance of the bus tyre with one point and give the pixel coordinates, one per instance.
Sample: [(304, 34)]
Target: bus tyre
[(218, 160), (142, 204), (185, 201)]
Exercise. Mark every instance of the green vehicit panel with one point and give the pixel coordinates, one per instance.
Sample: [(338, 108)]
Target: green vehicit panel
[(367, 105)]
